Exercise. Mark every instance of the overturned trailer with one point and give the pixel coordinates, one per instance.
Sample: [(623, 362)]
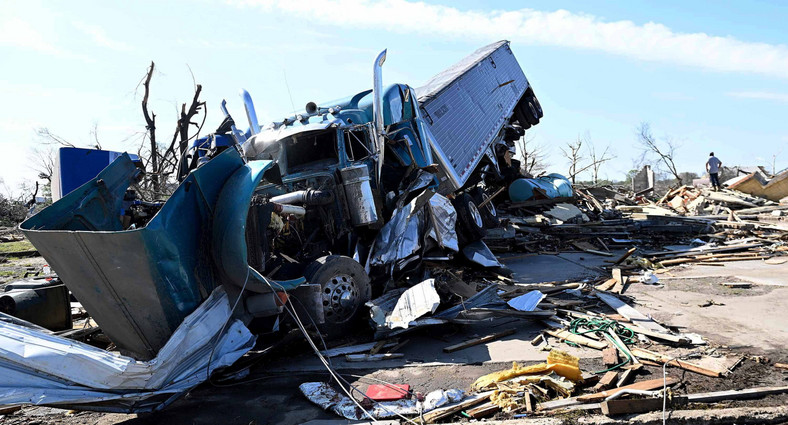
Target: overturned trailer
[(325, 206)]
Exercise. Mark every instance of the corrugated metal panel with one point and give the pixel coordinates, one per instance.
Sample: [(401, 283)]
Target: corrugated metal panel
[(467, 105)]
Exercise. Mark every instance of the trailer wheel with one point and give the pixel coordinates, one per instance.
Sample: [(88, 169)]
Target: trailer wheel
[(470, 224), (488, 211), (345, 288), (531, 113), (538, 107)]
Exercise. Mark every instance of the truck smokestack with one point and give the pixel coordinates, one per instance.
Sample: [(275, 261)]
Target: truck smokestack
[(251, 115), (377, 107)]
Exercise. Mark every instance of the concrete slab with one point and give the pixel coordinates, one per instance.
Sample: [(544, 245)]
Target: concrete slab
[(750, 318), (756, 271), (549, 268), (425, 348)]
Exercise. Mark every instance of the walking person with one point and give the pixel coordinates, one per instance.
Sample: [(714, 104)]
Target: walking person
[(713, 168)]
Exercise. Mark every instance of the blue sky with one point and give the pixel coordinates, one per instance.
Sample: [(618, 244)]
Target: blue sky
[(709, 75)]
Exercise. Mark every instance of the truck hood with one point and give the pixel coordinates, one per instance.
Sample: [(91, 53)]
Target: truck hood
[(268, 136)]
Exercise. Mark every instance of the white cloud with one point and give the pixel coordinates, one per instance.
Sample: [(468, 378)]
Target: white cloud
[(649, 42), (100, 37), (779, 97), (15, 32)]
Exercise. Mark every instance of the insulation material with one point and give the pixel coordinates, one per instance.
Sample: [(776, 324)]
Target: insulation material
[(559, 362), (43, 369), (325, 396)]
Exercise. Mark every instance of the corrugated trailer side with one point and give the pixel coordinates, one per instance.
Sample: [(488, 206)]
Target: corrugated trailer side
[(466, 106)]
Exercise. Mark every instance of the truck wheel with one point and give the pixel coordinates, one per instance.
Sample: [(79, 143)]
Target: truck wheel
[(488, 211), (470, 225), (345, 288), (538, 107), (531, 113)]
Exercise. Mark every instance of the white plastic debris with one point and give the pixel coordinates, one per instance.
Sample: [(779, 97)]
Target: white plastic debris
[(649, 278)]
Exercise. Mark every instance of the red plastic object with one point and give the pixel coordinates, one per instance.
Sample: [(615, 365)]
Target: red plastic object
[(384, 392)]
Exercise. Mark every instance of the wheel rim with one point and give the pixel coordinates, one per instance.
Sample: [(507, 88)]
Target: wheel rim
[(534, 112), (475, 216), (340, 295), (490, 207)]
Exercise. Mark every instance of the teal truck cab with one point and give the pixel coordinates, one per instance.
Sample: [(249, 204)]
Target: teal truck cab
[(346, 170)]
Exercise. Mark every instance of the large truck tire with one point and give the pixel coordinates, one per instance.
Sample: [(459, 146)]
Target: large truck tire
[(531, 112), (470, 225), (345, 289), (488, 211), (537, 106)]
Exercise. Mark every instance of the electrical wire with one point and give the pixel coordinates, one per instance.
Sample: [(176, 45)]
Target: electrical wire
[(221, 332), (604, 327), (326, 363)]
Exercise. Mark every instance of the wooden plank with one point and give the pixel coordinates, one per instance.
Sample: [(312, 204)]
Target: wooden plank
[(651, 384), (351, 349), (477, 341), (629, 375), (607, 381), (625, 256), (636, 317), (610, 356), (483, 411), (715, 396), (781, 366), (565, 335), (451, 409), (622, 406), (659, 358), (373, 357), (677, 339), (606, 285)]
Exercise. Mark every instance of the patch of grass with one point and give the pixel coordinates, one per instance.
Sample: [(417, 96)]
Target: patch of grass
[(16, 246)]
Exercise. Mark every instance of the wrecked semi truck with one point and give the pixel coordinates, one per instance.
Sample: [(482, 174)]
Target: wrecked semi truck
[(326, 206), (352, 165)]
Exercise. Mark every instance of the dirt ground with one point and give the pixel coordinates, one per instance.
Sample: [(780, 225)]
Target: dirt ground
[(748, 323)]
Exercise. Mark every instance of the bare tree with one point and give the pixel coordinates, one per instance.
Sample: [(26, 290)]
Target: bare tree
[(664, 151), (50, 138), (150, 125), (598, 160), (572, 152), (42, 160), (161, 164), (534, 155)]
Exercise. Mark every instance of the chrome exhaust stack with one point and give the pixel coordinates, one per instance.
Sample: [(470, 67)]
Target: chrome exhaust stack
[(251, 115), (377, 108)]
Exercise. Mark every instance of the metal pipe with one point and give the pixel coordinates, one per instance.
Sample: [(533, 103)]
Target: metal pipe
[(251, 115), (282, 209), (306, 197), (377, 108)]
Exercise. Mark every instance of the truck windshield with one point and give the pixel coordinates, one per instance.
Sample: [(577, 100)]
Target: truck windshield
[(357, 143), (310, 149)]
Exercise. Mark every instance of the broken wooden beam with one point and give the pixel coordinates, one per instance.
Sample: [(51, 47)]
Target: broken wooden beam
[(651, 384), (643, 405), (636, 317), (715, 396), (662, 359), (625, 256), (477, 341), (607, 381), (565, 335), (373, 357)]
